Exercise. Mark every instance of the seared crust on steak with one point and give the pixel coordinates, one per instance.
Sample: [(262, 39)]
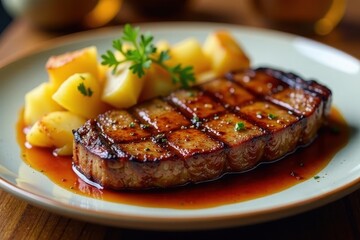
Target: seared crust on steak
[(229, 124)]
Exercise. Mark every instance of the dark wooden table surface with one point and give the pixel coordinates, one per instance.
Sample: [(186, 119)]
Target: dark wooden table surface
[(337, 220)]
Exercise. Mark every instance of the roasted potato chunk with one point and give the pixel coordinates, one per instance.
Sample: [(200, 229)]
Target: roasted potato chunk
[(38, 102), (158, 82), (54, 130), (81, 95), (189, 53), (61, 67), (123, 88), (225, 53)]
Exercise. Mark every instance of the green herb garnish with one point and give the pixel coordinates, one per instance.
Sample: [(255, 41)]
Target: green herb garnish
[(87, 92), (272, 116), (142, 56), (132, 125), (239, 126)]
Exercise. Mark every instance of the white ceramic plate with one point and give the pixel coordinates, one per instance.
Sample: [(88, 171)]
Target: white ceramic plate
[(334, 68)]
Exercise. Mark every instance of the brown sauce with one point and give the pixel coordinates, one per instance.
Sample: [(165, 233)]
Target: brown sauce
[(266, 179)]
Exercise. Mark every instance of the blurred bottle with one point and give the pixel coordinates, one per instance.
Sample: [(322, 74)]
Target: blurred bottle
[(316, 16), (64, 14)]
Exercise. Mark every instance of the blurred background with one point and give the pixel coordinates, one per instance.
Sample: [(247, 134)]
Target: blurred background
[(5, 18), (38, 20), (26, 25), (68, 15)]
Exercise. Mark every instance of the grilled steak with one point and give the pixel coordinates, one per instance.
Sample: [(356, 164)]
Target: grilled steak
[(230, 124)]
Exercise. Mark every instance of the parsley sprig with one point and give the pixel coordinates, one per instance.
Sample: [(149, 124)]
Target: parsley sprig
[(143, 55)]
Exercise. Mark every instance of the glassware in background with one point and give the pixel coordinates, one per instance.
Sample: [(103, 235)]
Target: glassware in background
[(64, 14), (306, 16)]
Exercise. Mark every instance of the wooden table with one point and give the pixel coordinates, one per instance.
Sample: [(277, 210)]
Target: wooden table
[(337, 220)]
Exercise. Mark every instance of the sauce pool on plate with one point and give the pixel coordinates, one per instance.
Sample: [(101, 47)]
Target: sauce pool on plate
[(266, 179)]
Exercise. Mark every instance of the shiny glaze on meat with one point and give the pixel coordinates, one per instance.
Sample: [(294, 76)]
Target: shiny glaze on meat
[(191, 136)]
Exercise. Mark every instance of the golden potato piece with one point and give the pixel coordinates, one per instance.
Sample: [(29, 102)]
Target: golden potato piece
[(224, 53), (38, 102), (123, 88), (189, 53), (81, 95), (205, 77), (157, 83), (54, 130), (102, 73), (162, 45), (61, 67)]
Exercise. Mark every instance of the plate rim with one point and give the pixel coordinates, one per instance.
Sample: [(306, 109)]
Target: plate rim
[(181, 222)]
